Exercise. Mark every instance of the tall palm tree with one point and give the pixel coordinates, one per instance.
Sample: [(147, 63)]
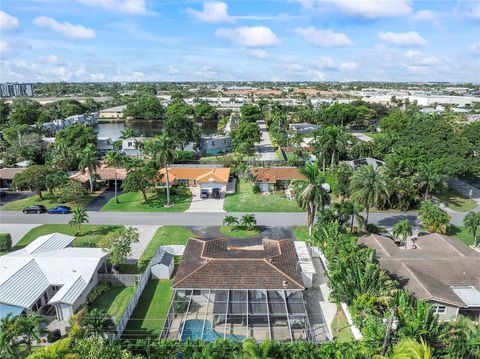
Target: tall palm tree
[(402, 229), (162, 151), (114, 159), (334, 140), (29, 327), (353, 211), (428, 179), (472, 223), (369, 188), (79, 216), (88, 160), (310, 193), (8, 344)]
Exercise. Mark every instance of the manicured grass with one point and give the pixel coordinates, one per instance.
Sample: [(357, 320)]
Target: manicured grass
[(301, 233), (114, 301), (149, 316), (244, 200), (462, 234), (340, 328), (48, 201), (456, 201), (239, 231), (94, 233), (133, 202)]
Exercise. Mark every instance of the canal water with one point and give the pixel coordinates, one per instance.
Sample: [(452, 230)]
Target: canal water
[(114, 129)]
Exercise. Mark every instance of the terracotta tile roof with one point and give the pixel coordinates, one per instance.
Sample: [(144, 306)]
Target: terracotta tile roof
[(274, 174), (104, 173), (200, 174), (9, 173), (213, 264), (432, 269)]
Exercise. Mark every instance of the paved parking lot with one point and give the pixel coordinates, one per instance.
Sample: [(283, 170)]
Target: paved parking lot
[(205, 204)]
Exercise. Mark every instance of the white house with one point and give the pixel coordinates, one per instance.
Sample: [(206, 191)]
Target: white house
[(49, 277)]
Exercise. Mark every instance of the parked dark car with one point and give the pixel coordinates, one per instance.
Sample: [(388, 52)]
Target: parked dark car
[(36, 208), (60, 210), (204, 193), (215, 192)]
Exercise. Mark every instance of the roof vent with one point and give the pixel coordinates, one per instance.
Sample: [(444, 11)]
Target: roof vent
[(284, 283)]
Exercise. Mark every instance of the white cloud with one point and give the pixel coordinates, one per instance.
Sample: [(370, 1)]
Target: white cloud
[(473, 12), (324, 38), (66, 29), (328, 63), (474, 49), (254, 36), (348, 66), (49, 59), (369, 9), (430, 16), (257, 53), (8, 22), (411, 38), (213, 12), (315, 75), (172, 69), (134, 7), (420, 59)]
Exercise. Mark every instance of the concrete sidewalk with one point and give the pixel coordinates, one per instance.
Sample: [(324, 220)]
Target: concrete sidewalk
[(146, 233)]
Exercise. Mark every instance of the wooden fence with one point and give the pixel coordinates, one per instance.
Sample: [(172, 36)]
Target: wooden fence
[(120, 280)]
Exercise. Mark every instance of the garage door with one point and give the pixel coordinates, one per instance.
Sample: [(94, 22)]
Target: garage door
[(210, 185)]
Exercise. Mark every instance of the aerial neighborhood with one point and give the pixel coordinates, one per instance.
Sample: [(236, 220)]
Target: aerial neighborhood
[(239, 180)]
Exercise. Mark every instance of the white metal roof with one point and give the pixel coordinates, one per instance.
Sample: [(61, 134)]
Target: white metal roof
[(468, 294), (49, 242), (305, 260), (70, 292)]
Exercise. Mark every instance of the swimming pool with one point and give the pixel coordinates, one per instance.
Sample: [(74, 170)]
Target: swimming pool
[(193, 330)]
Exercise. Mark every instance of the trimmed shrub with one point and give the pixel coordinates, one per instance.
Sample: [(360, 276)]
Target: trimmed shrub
[(98, 291), (5, 242)]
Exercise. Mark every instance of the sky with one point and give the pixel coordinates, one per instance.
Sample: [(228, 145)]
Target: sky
[(242, 40)]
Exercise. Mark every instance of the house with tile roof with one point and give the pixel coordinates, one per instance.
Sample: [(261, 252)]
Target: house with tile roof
[(439, 269), (228, 289), (271, 178), (204, 177), (7, 174), (49, 277), (103, 173)]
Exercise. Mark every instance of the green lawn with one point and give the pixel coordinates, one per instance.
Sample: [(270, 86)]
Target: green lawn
[(92, 233), (244, 200), (114, 301), (239, 231), (301, 233), (340, 328), (48, 201), (461, 233), (133, 202), (456, 201), (149, 316)]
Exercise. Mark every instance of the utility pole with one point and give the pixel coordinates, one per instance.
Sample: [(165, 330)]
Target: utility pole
[(389, 329)]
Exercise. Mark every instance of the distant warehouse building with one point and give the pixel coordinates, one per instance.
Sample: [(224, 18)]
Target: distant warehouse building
[(113, 112), (16, 90)]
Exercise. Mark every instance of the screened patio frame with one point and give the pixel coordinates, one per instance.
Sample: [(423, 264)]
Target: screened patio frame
[(208, 314)]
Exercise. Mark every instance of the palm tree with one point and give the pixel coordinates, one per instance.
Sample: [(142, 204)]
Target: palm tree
[(402, 229), (29, 327), (369, 188), (334, 140), (114, 159), (162, 150), (252, 350), (411, 349), (428, 179), (8, 345), (230, 221), (353, 211), (79, 216), (88, 160), (472, 223), (248, 221), (296, 139), (434, 218), (310, 193)]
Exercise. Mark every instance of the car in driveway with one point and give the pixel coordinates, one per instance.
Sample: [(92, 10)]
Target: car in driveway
[(215, 192), (204, 193), (60, 210), (36, 208)]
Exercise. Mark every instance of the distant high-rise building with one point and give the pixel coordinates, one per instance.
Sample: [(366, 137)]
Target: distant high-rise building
[(16, 90)]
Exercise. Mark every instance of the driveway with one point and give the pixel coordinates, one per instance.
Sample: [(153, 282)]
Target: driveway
[(99, 201), (205, 204), (146, 233), (265, 149), (15, 196)]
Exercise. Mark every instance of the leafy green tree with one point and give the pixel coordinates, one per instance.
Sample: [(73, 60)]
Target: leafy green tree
[(29, 327), (402, 229), (121, 245), (4, 111), (205, 111), (472, 223), (245, 135), (429, 179), (248, 221), (8, 338), (114, 159), (147, 107), (230, 221), (70, 141), (463, 339), (55, 180), (61, 156), (88, 161), (139, 179), (127, 133), (253, 350), (182, 130), (71, 192), (434, 218), (24, 111), (96, 322), (250, 113), (79, 217), (70, 107), (33, 179), (310, 193), (368, 187)]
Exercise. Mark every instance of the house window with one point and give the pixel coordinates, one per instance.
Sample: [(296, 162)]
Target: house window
[(55, 288), (213, 143), (37, 305), (439, 309)]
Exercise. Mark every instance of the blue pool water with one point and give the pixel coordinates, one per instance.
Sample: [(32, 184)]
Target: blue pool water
[(193, 330)]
